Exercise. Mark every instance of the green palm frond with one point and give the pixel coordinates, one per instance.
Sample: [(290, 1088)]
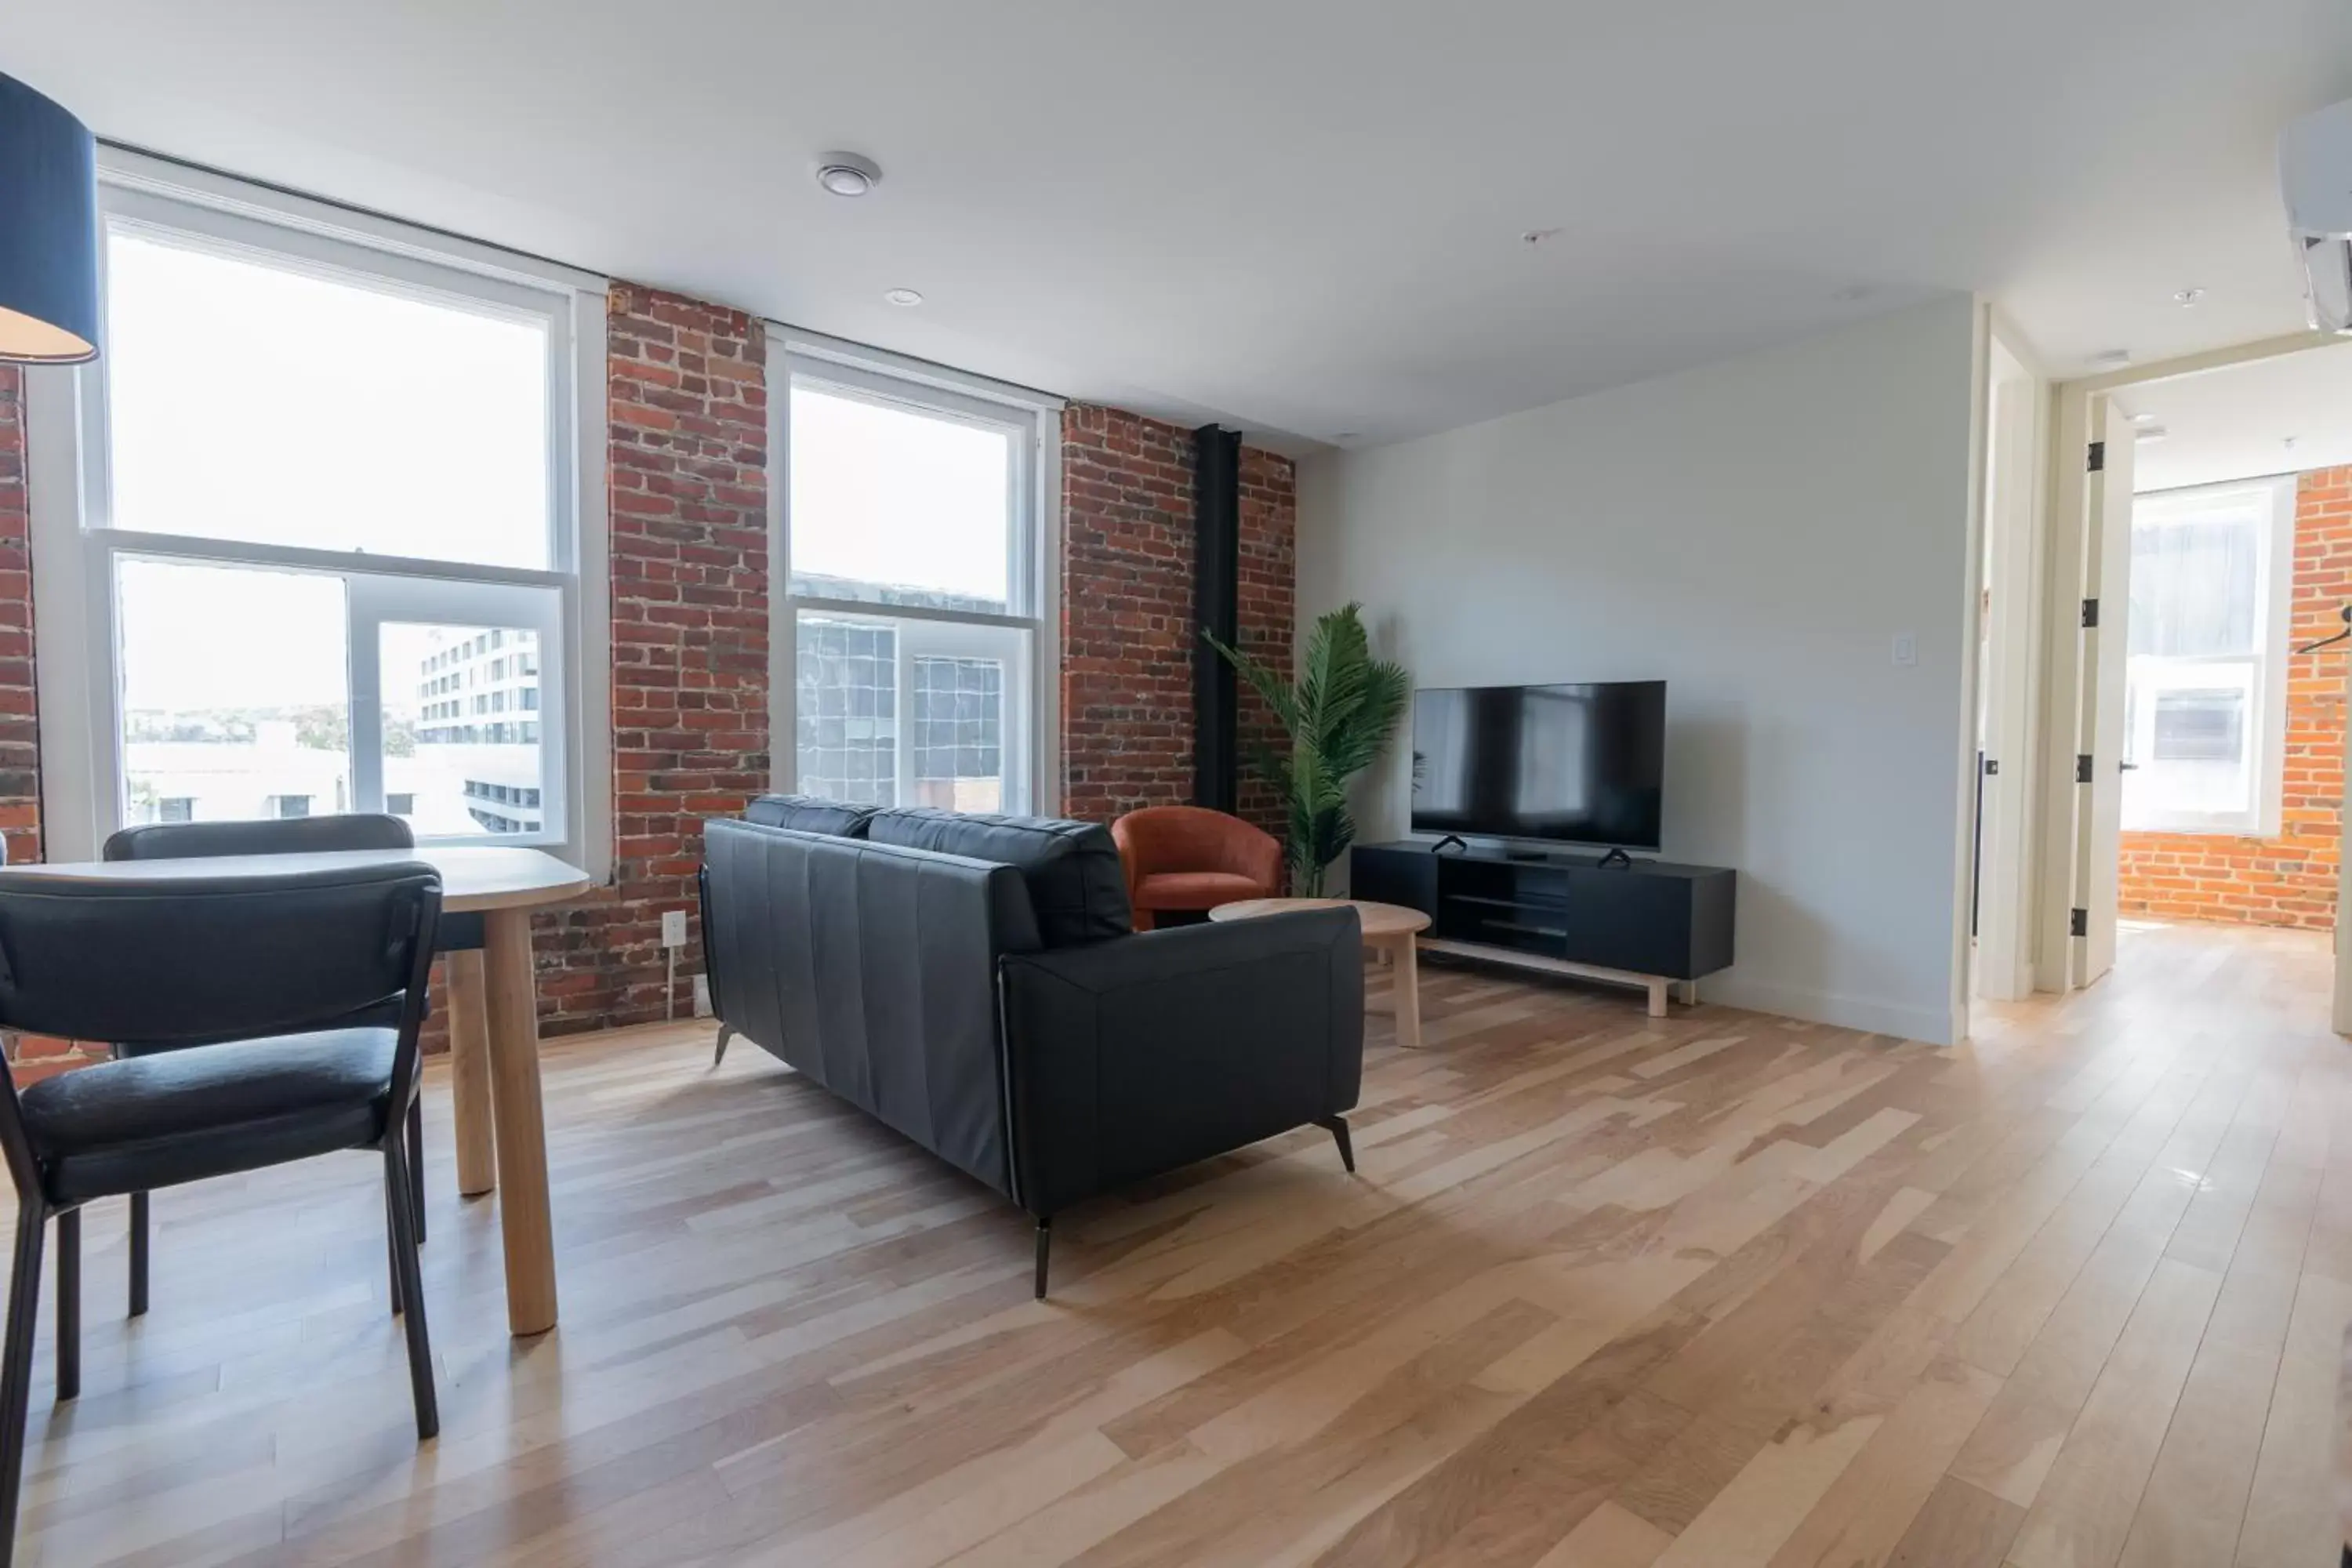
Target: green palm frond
[(1340, 714)]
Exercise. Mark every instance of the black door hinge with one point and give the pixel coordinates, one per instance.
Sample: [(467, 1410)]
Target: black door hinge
[(2078, 922), (2090, 613), (2083, 768), (1991, 767), (2098, 457)]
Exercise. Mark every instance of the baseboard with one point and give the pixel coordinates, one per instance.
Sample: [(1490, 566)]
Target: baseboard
[(1874, 1014)]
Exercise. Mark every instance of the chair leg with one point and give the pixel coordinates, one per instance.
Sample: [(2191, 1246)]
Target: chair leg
[(1045, 1250), (140, 1220), (70, 1304), (412, 1290), (417, 1162), (726, 1032), (16, 1359), (1338, 1127), (392, 1246)]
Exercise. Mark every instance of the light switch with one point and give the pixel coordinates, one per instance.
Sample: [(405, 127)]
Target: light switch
[(1907, 648)]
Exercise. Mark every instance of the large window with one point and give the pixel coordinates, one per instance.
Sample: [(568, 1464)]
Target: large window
[(328, 536), (2205, 698), (913, 627)]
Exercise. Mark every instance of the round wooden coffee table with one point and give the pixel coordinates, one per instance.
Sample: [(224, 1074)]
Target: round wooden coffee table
[(1388, 928)]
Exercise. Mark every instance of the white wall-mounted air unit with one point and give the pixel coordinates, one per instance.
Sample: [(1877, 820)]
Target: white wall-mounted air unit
[(2315, 172)]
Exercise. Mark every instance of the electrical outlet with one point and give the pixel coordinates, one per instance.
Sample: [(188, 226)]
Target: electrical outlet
[(1907, 649), (673, 928), (702, 995)]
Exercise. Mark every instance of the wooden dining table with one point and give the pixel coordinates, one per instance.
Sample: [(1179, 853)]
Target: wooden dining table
[(501, 1129)]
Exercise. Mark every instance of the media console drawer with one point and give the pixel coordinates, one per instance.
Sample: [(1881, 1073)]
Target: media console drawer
[(1651, 919)]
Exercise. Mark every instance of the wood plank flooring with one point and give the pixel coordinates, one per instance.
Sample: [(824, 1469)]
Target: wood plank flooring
[(1718, 1290)]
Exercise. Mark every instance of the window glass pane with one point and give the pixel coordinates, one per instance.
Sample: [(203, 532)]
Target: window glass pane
[(235, 702), (2194, 586), (340, 417), (462, 751), (2191, 744), (845, 709), (958, 739), (897, 507)]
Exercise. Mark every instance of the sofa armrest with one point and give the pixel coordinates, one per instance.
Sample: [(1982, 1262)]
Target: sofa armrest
[(1133, 1056)]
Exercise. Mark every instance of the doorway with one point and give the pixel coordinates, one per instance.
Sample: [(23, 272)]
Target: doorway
[(2216, 515)]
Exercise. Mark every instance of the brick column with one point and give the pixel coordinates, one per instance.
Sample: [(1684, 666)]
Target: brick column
[(687, 468)]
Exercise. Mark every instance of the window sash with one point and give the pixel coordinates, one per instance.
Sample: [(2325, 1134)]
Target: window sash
[(76, 546), (2263, 670), (1021, 636)]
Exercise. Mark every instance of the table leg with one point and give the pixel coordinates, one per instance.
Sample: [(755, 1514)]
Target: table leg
[(1407, 984), (525, 1223), (469, 1072)]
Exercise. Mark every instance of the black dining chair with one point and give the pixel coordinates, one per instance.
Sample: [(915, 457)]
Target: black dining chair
[(271, 835), (241, 992)]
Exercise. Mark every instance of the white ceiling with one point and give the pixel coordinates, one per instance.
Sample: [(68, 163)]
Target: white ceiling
[(1300, 216), (2234, 424)]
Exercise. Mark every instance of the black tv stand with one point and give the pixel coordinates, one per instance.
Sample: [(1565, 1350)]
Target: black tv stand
[(1454, 838), (1609, 916)]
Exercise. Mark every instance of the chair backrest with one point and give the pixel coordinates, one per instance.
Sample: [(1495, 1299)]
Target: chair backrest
[(169, 960), (264, 836), (1190, 839)]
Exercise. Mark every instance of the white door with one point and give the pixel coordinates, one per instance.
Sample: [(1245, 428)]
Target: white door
[(2107, 527)]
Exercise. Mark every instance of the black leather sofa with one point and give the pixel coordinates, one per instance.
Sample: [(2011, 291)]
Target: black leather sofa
[(974, 983)]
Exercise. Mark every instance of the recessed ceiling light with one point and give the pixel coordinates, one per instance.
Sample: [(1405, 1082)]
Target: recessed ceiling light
[(2189, 296), (2112, 359), (2143, 418), (902, 296), (2289, 442), (1538, 235), (848, 173), (2149, 434), (1345, 436), (1854, 293)]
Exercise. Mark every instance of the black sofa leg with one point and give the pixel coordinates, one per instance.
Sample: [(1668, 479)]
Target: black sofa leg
[(1338, 1127), (726, 1032), (1045, 1250), (140, 1219), (417, 1165), (16, 1359), (402, 1219), (70, 1304)]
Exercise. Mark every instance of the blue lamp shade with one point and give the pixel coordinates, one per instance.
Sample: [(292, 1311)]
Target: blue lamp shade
[(48, 230)]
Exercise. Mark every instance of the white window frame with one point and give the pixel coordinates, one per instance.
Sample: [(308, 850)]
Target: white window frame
[(76, 545), (1033, 779), (2274, 602)]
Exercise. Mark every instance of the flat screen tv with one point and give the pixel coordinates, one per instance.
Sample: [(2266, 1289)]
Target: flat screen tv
[(1580, 764)]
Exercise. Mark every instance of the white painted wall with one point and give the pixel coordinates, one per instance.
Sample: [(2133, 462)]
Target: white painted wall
[(1757, 531)]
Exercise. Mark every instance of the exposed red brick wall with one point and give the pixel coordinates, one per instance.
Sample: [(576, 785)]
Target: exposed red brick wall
[(37, 1055), (20, 733), (1127, 624), (687, 471), (2288, 880)]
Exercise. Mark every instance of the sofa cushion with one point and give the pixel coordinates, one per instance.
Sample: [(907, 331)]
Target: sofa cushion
[(1076, 885), (807, 814)]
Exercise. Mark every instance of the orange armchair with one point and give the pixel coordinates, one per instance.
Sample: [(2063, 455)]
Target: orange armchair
[(1182, 857)]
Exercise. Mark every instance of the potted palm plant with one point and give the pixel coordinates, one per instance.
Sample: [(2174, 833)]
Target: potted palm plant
[(1339, 715)]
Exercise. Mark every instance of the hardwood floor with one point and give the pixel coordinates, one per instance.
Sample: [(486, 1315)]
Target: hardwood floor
[(1718, 1290)]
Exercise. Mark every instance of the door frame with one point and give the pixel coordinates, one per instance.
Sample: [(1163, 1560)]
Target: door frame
[(2057, 880)]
